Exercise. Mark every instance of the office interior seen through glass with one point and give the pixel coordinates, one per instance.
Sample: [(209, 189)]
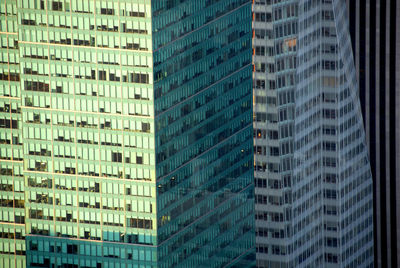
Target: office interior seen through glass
[(126, 133)]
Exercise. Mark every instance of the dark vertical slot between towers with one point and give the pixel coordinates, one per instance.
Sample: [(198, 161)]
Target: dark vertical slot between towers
[(374, 143), (380, 92), (363, 80), (392, 130), (362, 54)]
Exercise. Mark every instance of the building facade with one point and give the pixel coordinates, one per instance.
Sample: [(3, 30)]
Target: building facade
[(126, 133), (375, 33), (332, 186), (274, 83), (203, 132), (12, 215), (327, 193)]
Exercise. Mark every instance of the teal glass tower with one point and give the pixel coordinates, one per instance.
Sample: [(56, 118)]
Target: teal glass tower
[(203, 131), (126, 134)]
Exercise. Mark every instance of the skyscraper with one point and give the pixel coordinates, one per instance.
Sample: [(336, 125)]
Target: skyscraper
[(12, 214), (375, 33), (131, 129), (324, 187), (332, 179), (274, 88)]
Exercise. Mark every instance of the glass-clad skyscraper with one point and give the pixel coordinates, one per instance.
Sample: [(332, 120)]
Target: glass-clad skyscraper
[(203, 132), (332, 182), (313, 178), (12, 212), (274, 43), (126, 133)]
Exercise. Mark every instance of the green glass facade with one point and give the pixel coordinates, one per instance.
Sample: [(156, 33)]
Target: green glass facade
[(12, 212), (126, 133)]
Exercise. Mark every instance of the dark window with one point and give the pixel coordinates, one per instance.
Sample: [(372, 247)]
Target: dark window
[(72, 249), (145, 127), (57, 6), (117, 157), (102, 75)]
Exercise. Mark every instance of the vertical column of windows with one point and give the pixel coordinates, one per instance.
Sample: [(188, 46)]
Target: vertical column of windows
[(12, 217)]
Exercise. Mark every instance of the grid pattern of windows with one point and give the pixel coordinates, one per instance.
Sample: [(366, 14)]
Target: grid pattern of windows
[(12, 215), (312, 174), (203, 121), (87, 109), (332, 186), (126, 133)]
